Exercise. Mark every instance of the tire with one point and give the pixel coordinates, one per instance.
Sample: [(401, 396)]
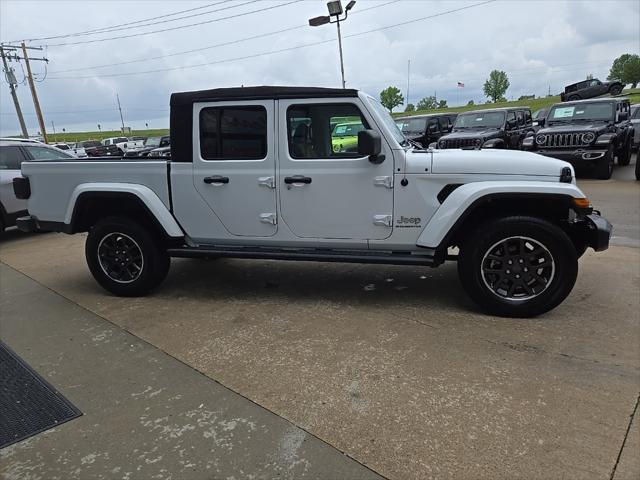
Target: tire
[(539, 242), (573, 98), (604, 167), (615, 90), (624, 157), (120, 152), (637, 167), (114, 241)]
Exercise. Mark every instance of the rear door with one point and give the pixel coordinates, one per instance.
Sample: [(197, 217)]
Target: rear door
[(234, 164), (326, 192)]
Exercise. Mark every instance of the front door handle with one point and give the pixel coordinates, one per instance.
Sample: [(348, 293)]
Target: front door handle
[(216, 180), (297, 179)]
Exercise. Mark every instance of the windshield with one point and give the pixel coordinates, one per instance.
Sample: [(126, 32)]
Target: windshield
[(414, 125), (583, 111), (153, 142), (388, 120), (480, 119)]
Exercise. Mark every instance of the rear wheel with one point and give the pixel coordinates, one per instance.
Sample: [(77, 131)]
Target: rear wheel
[(518, 266), (615, 90), (624, 157), (604, 167), (573, 98), (124, 258)]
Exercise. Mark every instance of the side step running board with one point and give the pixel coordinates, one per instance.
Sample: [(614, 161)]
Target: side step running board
[(349, 256)]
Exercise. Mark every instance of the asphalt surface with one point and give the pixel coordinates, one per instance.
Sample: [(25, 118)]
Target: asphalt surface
[(391, 365)]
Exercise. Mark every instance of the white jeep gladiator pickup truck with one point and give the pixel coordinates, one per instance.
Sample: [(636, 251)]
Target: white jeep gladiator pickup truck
[(254, 174), (123, 144)]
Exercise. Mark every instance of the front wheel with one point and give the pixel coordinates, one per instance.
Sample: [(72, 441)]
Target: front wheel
[(604, 167), (518, 266), (124, 258), (615, 90), (624, 157)]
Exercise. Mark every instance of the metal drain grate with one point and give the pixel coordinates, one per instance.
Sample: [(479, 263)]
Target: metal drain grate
[(28, 404)]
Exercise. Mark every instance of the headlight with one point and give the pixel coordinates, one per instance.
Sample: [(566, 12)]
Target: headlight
[(442, 143), (478, 142), (541, 139), (588, 137)]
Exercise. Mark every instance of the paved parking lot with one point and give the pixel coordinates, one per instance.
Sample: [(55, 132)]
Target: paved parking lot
[(391, 365)]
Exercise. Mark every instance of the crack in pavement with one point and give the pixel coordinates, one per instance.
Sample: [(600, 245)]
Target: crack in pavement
[(626, 435)]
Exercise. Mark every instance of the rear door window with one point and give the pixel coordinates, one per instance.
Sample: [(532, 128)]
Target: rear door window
[(233, 133), (10, 157)]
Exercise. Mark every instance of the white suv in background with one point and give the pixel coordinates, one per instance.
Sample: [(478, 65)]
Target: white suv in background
[(12, 153)]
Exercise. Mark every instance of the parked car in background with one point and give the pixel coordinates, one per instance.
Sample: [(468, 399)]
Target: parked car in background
[(93, 148), (635, 121), (589, 89), (150, 143), (490, 128), (426, 129), (344, 136), (123, 144), (587, 133), (160, 152), (12, 153)]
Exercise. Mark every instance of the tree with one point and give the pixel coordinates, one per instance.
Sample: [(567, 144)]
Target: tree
[(442, 104), (470, 103), (626, 69), (391, 97), (496, 85), (427, 103), (410, 108)]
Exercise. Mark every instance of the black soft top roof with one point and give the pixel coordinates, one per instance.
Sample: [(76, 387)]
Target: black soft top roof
[(258, 93)]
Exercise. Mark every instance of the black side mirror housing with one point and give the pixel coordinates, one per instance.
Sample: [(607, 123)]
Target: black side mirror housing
[(370, 144)]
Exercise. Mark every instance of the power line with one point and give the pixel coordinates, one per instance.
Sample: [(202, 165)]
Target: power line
[(277, 51), (217, 45), (105, 29), (272, 7)]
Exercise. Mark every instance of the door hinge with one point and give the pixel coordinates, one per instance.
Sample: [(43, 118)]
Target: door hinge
[(267, 182), (269, 218), (382, 220), (384, 181)]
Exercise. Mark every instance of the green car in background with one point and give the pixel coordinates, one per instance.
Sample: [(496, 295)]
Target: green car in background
[(344, 137)]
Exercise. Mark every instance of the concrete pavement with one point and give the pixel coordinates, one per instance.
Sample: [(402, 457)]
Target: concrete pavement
[(146, 415)]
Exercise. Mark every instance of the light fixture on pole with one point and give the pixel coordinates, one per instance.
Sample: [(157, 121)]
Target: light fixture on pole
[(335, 11)]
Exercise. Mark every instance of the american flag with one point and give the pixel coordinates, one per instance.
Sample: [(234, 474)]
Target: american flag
[(460, 85)]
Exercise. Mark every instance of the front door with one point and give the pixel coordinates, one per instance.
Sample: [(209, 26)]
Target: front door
[(234, 164), (327, 190)]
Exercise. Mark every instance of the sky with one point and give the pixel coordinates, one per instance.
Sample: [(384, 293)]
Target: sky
[(541, 45)]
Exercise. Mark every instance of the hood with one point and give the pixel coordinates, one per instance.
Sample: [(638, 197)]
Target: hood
[(595, 127), (485, 162), (473, 133)]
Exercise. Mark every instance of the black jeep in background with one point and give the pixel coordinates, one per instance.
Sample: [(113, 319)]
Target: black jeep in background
[(587, 133), (491, 128), (589, 89), (426, 129)]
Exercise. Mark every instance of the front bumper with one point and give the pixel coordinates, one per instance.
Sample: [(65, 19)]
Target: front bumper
[(595, 231), (577, 157)]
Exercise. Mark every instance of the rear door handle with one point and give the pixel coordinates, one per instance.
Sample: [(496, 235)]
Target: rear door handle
[(297, 179), (216, 180)]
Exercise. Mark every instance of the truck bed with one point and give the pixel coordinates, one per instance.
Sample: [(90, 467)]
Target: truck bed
[(55, 184)]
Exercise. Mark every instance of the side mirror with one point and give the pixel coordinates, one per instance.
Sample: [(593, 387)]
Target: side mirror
[(433, 128), (370, 144)]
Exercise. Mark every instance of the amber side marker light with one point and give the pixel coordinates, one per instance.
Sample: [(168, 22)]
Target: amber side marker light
[(581, 202)]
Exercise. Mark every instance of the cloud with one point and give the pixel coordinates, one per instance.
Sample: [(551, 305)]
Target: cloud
[(540, 44)]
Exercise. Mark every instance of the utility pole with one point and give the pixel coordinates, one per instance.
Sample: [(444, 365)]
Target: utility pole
[(120, 108), (11, 79), (34, 94), (408, 77)]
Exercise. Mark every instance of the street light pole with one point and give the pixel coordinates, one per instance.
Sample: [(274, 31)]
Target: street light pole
[(344, 85), (335, 10)]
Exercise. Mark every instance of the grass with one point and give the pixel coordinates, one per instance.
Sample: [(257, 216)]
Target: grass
[(534, 104), (81, 136)]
